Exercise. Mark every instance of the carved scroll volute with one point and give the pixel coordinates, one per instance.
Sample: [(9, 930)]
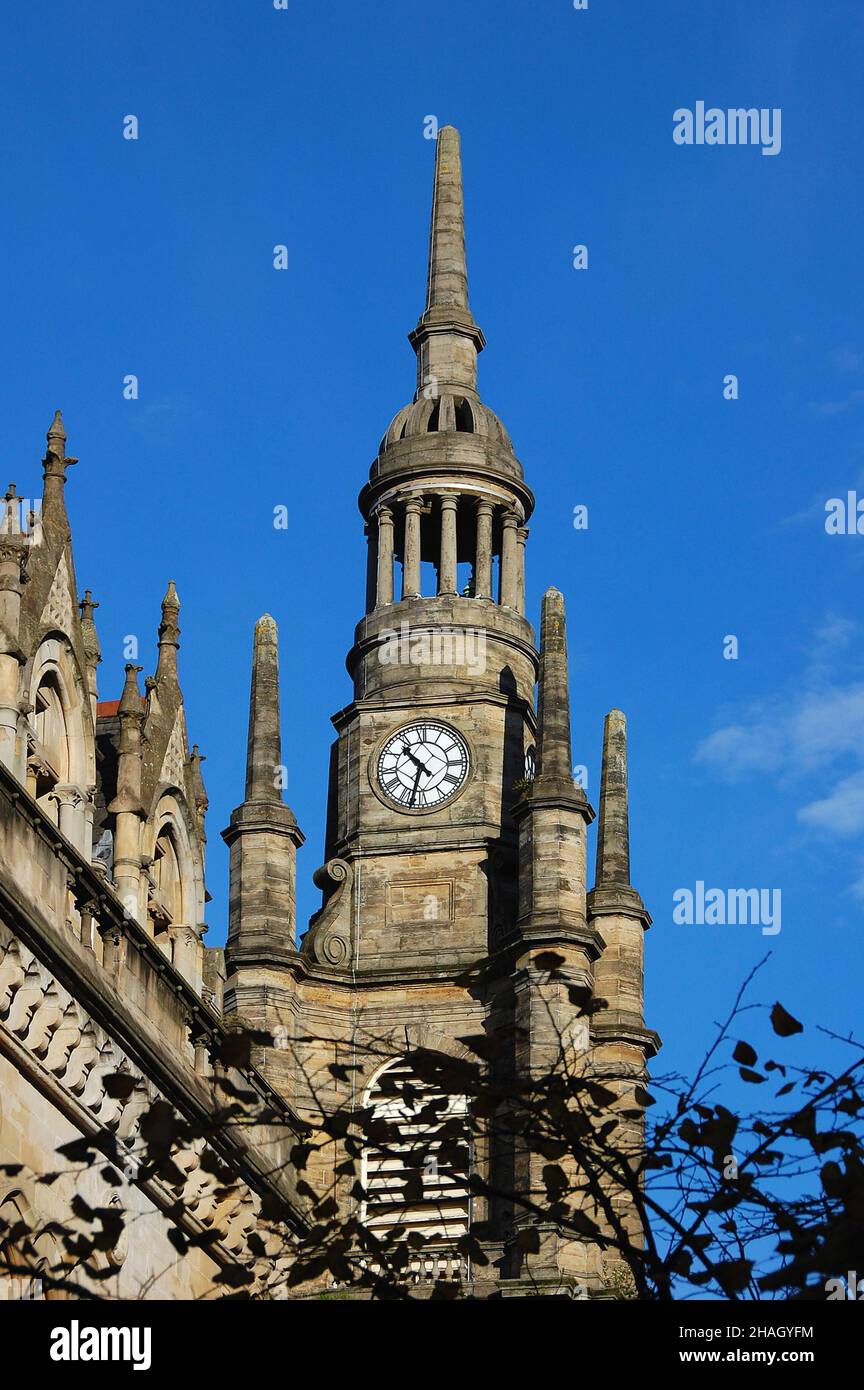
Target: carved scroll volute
[(329, 938)]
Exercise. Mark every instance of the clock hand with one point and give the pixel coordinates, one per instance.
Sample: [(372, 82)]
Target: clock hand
[(416, 761), (414, 788)]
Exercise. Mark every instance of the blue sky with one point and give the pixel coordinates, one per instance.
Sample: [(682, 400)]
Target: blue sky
[(258, 388)]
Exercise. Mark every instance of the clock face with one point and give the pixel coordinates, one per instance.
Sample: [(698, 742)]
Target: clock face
[(422, 766)]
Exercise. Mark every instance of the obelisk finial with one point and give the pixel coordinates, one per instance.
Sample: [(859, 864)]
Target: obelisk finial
[(446, 339), (613, 830), (553, 713), (264, 748)]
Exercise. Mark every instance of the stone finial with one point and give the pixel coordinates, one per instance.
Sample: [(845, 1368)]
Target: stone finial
[(199, 791), (10, 524), (264, 748), (131, 701), (446, 339), (171, 599), (196, 758), (54, 467), (57, 436), (553, 712), (447, 280), (169, 636), (613, 832), (88, 606)]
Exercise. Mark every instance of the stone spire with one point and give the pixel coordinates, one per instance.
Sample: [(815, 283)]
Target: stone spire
[(612, 889), (554, 771), (622, 1043), (554, 811), (553, 706), (446, 339), (613, 831), (263, 838), (54, 467), (552, 819), (447, 280), (264, 747), (169, 636)]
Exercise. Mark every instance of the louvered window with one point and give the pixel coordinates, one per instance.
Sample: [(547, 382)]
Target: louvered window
[(416, 1171)]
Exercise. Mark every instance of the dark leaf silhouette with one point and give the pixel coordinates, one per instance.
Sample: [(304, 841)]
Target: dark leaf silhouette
[(783, 1022)]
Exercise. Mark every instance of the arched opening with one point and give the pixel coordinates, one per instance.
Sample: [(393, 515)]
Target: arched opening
[(61, 752), (52, 741), (167, 902), (464, 415), (175, 882), (416, 1170)]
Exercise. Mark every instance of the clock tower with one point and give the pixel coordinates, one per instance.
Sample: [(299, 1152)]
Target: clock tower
[(456, 838)]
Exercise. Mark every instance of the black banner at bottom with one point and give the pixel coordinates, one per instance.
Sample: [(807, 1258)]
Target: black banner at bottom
[(641, 1338)]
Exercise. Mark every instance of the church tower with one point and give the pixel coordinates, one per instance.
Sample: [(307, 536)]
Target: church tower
[(456, 838)]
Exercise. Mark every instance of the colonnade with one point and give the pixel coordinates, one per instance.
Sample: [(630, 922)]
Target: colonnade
[(443, 509)]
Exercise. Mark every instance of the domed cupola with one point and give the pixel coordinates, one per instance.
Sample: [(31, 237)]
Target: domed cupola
[(440, 414)]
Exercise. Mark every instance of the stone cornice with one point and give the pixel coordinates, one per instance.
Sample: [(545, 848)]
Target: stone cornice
[(556, 930), (618, 900), (556, 795), (610, 1026), (390, 701)]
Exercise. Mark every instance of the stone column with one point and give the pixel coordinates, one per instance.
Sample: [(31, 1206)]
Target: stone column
[(508, 589), (447, 563), (411, 557), (521, 538), (88, 816), (12, 555), (186, 953), (385, 555), (371, 534), (70, 815), (483, 560), (126, 806)]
